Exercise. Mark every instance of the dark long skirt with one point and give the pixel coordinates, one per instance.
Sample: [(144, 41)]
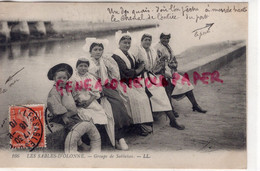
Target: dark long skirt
[(121, 118)]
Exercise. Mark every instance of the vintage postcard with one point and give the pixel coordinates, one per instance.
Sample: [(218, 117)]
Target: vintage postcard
[(123, 85)]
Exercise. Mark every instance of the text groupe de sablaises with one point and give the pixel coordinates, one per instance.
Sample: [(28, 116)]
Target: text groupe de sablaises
[(61, 155)]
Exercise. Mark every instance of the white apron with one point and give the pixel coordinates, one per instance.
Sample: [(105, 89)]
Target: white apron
[(159, 100), (182, 85), (137, 98), (94, 111)]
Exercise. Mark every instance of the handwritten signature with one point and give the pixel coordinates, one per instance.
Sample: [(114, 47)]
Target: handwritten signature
[(202, 31), (10, 78)]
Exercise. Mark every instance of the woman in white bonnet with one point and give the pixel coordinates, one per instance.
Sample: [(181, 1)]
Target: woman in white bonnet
[(90, 110), (129, 70), (105, 69), (159, 99), (167, 66)]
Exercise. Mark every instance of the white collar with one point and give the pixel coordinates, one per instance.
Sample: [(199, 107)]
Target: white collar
[(119, 53)]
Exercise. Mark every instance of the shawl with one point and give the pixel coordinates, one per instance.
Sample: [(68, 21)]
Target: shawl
[(98, 69), (142, 55), (107, 69), (119, 53)]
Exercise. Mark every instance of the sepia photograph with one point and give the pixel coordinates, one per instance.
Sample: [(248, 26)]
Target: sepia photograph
[(123, 85)]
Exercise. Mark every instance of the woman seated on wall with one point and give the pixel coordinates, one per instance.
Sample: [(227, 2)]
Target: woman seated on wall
[(105, 69), (131, 70), (167, 66), (159, 99), (88, 107)]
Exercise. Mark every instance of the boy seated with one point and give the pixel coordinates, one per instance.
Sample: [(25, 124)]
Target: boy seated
[(61, 104)]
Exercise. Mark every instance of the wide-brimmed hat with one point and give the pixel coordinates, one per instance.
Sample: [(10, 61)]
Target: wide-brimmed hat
[(58, 67)]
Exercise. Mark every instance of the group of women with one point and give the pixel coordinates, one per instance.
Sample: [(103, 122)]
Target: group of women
[(117, 108), (136, 105)]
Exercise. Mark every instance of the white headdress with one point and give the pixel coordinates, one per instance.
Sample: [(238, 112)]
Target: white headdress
[(144, 33), (119, 35), (91, 40)]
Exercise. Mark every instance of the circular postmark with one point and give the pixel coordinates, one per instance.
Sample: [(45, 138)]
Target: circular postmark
[(26, 126)]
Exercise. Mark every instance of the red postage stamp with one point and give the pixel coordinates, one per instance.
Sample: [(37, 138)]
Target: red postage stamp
[(26, 125)]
